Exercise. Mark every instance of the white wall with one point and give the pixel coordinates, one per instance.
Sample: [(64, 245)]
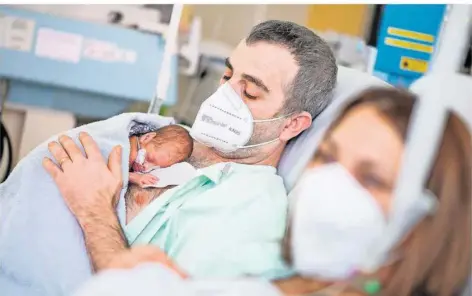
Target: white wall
[(233, 22)]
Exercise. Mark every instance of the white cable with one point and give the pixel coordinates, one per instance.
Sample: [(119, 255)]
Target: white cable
[(170, 50), (452, 45), (260, 14)]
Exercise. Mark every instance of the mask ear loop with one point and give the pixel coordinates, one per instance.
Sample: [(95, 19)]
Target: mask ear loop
[(266, 120), (273, 119), (260, 144)]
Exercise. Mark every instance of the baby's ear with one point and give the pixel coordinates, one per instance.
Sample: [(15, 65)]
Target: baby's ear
[(146, 138)]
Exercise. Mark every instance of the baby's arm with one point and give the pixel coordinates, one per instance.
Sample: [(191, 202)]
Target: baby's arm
[(133, 177), (142, 179)]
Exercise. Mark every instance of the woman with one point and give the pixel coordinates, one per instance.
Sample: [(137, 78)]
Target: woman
[(342, 202), (367, 141)]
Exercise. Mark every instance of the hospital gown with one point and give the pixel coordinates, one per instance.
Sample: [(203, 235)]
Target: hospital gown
[(228, 221)]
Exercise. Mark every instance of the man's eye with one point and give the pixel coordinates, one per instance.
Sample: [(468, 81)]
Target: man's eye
[(249, 96), (227, 74)]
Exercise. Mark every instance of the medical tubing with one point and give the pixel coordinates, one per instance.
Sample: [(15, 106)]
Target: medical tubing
[(5, 137)]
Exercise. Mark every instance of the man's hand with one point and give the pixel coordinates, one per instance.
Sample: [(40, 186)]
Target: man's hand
[(90, 189), (86, 183)]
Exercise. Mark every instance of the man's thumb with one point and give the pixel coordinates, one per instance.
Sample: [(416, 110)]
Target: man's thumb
[(114, 163)]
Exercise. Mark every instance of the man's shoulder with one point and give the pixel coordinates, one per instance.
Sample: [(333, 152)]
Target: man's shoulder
[(238, 180), (252, 169), (256, 175), (257, 180)]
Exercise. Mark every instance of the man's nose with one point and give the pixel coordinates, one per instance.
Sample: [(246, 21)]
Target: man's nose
[(237, 85)]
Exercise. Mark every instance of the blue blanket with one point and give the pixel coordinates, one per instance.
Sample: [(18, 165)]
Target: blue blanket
[(42, 249)]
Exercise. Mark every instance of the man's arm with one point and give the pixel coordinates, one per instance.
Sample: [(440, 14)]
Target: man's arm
[(90, 189), (108, 249), (104, 237)]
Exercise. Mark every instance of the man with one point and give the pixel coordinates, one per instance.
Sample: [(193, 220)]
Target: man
[(231, 219)]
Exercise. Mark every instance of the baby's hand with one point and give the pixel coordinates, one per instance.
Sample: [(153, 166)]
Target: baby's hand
[(148, 179), (142, 179)]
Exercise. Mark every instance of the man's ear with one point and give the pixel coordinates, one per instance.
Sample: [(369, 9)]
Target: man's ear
[(146, 138), (297, 124)]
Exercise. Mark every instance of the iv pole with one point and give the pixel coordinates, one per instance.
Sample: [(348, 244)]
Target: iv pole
[(170, 50)]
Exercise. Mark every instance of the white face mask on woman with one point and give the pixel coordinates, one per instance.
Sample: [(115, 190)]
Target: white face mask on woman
[(335, 222), (337, 226)]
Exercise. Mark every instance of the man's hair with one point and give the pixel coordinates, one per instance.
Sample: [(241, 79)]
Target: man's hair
[(311, 89), (178, 137)]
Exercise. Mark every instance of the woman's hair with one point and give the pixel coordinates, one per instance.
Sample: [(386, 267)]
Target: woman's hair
[(436, 256)]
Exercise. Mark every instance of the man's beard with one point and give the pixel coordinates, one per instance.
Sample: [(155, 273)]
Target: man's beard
[(263, 132)]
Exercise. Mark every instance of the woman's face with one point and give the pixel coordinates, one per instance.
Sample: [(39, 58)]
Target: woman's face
[(369, 147)]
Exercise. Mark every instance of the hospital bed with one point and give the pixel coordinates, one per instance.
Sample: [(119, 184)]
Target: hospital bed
[(349, 83)]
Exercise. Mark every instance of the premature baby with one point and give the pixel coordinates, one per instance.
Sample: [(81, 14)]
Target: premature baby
[(162, 148)]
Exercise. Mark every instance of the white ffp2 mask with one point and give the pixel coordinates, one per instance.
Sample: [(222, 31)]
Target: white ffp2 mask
[(224, 121), (335, 221)]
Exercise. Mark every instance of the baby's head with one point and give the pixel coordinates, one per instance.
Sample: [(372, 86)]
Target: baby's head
[(168, 145)]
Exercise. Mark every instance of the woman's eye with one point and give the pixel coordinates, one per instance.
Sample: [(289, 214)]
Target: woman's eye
[(371, 181), (324, 157)]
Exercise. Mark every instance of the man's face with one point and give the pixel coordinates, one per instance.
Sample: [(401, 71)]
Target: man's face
[(260, 73)]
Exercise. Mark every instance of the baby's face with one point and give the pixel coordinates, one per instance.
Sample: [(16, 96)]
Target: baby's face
[(162, 156)]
